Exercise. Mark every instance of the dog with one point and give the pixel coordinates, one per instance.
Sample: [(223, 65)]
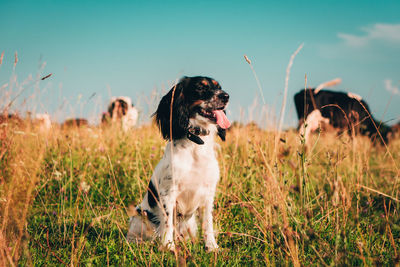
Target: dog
[(185, 179), (121, 110)]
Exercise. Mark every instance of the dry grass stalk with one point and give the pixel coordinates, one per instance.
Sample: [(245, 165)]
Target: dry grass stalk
[(15, 59), (27, 153), (323, 85), (282, 112), (1, 58), (275, 197), (256, 77), (48, 76), (289, 67), (172, 160), (378, 192), (247, 59)]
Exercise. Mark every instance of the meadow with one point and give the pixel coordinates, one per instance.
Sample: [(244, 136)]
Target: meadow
[(66, 196)]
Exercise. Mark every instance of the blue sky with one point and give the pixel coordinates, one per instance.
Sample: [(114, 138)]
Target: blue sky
[(133, 47)]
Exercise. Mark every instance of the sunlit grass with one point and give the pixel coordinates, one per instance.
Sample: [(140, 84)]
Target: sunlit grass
[(65, 196), (65, 199)]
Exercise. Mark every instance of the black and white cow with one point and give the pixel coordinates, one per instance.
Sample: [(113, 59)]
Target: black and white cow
[(343, 111), (396, 129)]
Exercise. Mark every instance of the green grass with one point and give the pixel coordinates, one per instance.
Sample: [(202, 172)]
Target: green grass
[(65, 199)]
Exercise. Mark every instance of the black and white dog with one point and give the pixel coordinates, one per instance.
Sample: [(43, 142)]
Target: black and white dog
[(185, 179), (121, 109)]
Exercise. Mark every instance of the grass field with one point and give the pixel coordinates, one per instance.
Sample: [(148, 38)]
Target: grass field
[(65, 198)]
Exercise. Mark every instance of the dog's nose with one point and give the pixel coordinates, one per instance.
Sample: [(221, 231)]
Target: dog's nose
[(224, 97)]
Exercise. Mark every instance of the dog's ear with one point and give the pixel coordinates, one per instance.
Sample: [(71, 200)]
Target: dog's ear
[(111, 108), (221, 133), (180, 112)]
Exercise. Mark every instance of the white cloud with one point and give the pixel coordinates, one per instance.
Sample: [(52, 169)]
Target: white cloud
[(378, 32), (391, 88)]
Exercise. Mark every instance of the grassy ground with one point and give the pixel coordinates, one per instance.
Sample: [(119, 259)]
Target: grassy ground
[(65, 197)]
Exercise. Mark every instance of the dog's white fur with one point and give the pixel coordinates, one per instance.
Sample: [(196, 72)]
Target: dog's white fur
[(195, 173), (129, 120)]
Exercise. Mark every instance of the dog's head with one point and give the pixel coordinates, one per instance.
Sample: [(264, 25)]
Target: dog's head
[(140, 229), (196, 100), (119, 106)]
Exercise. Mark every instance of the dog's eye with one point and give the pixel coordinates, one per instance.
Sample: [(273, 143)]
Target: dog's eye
[(206, 94)]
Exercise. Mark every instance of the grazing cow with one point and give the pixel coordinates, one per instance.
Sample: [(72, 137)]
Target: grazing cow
[(121, 110), (10, 118), (74, 123), (40, 120), (396, 129), (343, 111)]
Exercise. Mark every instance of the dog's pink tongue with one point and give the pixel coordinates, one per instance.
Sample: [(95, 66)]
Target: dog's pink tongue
[(222, 120)]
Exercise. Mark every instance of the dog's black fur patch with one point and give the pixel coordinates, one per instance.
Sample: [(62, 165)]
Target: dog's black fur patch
[(123, 105), (152, 218), (195, 138), (222, 133), (152, 195)]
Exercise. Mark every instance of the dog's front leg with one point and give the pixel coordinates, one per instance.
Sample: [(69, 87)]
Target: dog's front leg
[(168, 200), (207, 224)]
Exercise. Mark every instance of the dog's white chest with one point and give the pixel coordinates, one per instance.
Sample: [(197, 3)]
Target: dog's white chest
[(196, 174)]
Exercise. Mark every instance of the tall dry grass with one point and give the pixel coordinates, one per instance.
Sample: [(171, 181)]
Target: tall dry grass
[(22, 153), (65, 197)]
